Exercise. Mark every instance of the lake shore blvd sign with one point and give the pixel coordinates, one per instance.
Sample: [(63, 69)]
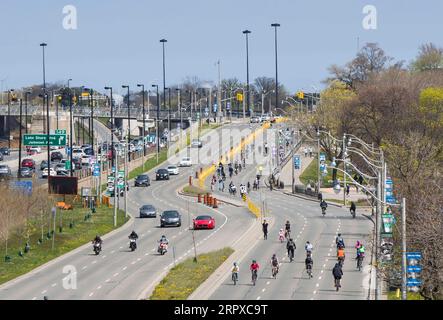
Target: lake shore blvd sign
[(42, 140)]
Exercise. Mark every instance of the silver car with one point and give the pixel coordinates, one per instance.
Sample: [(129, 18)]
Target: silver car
[(148, 211)]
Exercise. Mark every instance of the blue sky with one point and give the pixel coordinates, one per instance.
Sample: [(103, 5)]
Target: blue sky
[(117, 42)]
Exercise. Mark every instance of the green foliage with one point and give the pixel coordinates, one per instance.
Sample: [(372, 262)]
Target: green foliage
[(187, 276)]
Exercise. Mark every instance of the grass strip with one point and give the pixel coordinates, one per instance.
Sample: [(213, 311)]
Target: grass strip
[(310, 174), (187, 276), (82, 231)]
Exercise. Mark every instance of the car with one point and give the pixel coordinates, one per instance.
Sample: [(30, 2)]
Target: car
[(43, 164), (196, 143), (85, 160), (170, 218), (33, 150), (162, 174), (1, 156), (88, 151), (203, 222), (26, 172), (4, 169), (77, 152), (148, 211), (85, 146), (185, 162), (56, 156), (5, 151), (110, 190), (255, 120), (52, 172), (173, 169), (30, 163), (142, 180)]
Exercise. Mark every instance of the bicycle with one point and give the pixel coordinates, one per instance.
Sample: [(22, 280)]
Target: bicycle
[(235, 277), (274, 271), (254, 277), (309, 270), (288, 234), (341, 261), (337, 284), (359, 262), (291, 255)]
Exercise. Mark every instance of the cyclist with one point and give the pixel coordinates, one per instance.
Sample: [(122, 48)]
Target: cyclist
[(281, 235), (341, 255), (337, 272), (235, 270), (274, 263), (287, 229), (309, 263), (339, 241), (308, 247), (353, 208), (290, 246), (254, 269)]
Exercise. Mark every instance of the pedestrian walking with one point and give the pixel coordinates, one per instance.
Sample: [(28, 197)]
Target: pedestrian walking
[(305, 150), (212, 185), (310, 152), (347, 189), (356, 180), (248, 187), (265, 229)]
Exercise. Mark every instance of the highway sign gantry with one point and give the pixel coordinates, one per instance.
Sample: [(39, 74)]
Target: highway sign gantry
[(42, 140)]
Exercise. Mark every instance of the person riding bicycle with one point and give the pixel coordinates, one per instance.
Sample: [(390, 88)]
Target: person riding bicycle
[(308, 247), (323, 205), (290, 246), (337, 272), (97, 239), (288, 227), (339, 241), (353, 208), (274, 261), (281, 234), (341, 254), (254, 267), (361, 251), (235, 268), (309, 263)]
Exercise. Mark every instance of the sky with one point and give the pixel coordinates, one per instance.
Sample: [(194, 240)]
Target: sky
[(117, 42)]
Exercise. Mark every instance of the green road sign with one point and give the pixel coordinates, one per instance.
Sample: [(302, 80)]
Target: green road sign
[(68, 165), (62, 131), (41, 140)]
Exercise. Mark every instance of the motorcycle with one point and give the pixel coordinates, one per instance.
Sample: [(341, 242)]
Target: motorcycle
[(97, 248), (132, 244), (162, 248)]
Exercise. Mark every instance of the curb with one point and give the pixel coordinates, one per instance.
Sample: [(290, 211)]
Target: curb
[(64, 256), (242, 247), (224, 201)]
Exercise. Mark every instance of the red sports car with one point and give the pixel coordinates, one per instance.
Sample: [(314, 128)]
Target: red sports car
[(204, 222)]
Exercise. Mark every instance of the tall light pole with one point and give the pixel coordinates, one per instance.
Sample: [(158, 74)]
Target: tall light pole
[(71, 131), (45, 95), (158, 120), (9, 113), (129, 122), (247, 32), (143, 131), (112, 130), (169, 115), (275, 25), (179, 107), (20, 143), (163, 41), (27, 93)]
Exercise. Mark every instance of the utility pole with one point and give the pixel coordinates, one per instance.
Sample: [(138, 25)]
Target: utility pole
[(125, 180), (219, 98), (344, 169), (115, 189), (403, 241)]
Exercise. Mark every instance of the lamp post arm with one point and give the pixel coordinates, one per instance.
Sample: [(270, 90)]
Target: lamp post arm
[(363, 155), (367, 146), (356, 169)]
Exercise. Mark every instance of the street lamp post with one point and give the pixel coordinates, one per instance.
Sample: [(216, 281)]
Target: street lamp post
[(112, 130), (163, 41), (27, 93), (129, 123), (275, 25), (20, 143), (45, 95), (169, 116), (158, 121), (179, 107), (9, 115), (247, 32), (144, 119), (71, 131)]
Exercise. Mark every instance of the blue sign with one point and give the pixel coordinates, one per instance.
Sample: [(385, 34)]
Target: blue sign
[(215, 107), (228, 106), (413, 255), (322, 156), (96, 171), (297, 162), (23, 185), (414, 269), (413, 282)]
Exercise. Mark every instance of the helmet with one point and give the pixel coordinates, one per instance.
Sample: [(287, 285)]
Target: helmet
[(281, 229), (291, 239), (287, 221), (273, 255), (339, 234), (163, 236), (307, 241), (254, 261), (235, 263)]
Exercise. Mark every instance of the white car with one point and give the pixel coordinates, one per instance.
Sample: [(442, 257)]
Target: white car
[(35, 149), (172, 169), (45, 172), (85, 160), (185, 162), (77, 153)]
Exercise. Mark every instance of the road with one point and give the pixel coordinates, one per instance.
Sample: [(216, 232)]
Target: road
[(118, 273)]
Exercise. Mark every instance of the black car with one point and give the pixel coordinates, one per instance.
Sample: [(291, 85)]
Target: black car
[(170, 218), (162, 174), (148, 211), (43, 165), (4, 151), (56, 156), (88, 151), (142, 180), (26, 172)]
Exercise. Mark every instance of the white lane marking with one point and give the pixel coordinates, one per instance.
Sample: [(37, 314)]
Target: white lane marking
[(121, 247), (267, 283), (34, 298), (319, 278), (107, 280), (103, 257), (99, 287), (153, 249), (263, 290), (53, 285), (112, 251), (95, 261), (258, 298), (133, 262), (329, 254), (124, 268), (146, 253), (138, 259), (321, 271), (84, 267), (91, 294), (115, 274), (314, 292), (44, 291), (317, 285)]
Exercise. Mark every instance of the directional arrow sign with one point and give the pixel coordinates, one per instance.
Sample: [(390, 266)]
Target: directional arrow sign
[(42, 140)]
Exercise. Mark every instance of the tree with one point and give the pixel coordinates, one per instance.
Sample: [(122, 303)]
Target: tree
[(430, 57)]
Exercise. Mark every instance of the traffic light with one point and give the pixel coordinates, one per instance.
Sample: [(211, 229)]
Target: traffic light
[(301, 95), (239, 97), (59, 98), (13, 97)]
